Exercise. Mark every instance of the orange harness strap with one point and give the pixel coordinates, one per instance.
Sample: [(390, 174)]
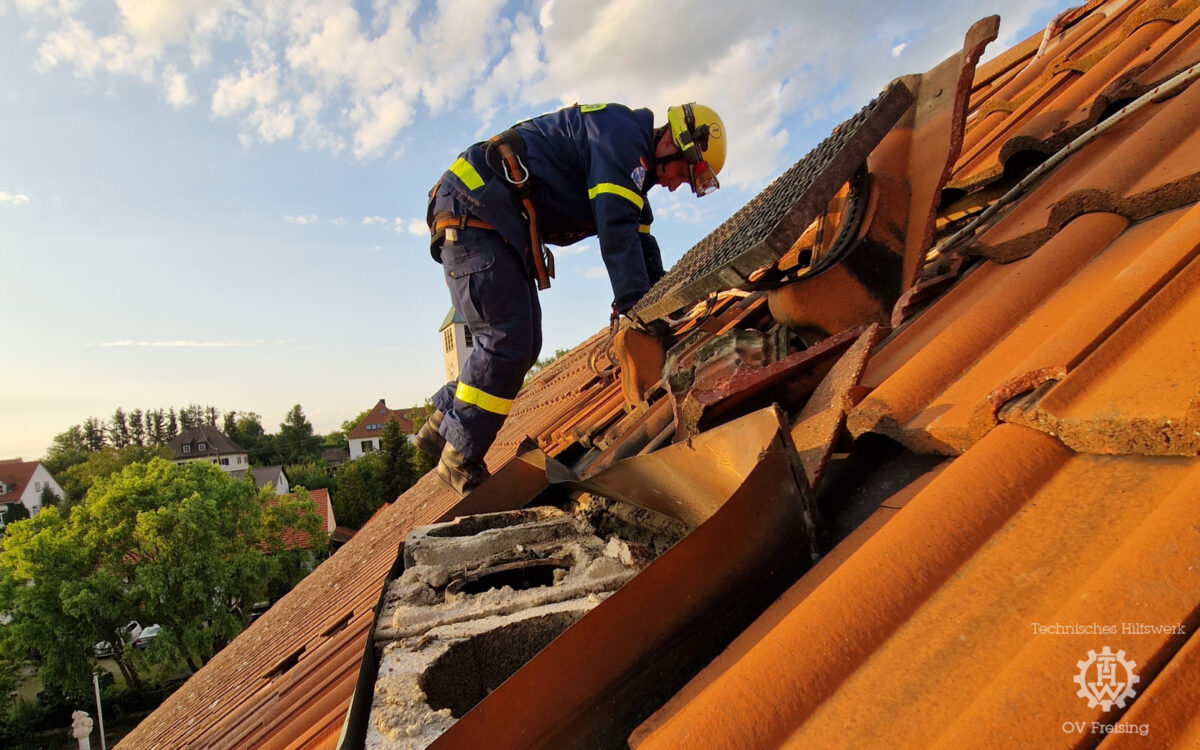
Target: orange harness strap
[(517, 176)]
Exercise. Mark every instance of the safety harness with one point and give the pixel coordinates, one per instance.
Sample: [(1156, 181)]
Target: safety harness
[(505, 155)]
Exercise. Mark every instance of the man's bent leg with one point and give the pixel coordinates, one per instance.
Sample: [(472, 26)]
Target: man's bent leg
[(498, 302)]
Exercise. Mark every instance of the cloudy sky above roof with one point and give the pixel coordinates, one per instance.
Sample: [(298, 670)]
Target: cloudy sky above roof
[(222, 201)]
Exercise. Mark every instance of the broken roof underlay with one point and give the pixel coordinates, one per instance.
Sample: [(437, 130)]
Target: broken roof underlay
[(995, 438)]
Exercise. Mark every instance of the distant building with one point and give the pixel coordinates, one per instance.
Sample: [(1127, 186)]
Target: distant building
[(23, 482), (335, 457), (456, 343), (367, 435), (264, 475), (293, 539), (209, 444)]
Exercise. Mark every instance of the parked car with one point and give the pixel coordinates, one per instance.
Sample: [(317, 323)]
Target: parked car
[(147, 635), (129, 632)]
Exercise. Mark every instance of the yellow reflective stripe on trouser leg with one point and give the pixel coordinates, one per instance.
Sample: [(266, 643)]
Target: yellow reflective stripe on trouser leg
[(471, 395), (624, 192), (463, 170), (644, 228)]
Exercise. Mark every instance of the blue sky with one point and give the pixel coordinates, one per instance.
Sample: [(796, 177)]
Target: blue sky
[(221, 201)]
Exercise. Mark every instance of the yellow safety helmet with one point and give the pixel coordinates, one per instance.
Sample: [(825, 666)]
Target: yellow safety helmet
[(699, 134)]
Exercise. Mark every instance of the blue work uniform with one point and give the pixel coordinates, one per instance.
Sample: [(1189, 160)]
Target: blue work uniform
[(590, 167)]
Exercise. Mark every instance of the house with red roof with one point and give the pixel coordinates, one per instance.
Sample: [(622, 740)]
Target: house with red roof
[(367, 435), (293, 539), (23, 482)]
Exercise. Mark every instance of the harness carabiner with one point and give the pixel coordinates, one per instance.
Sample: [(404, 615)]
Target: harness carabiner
[(507, 170)]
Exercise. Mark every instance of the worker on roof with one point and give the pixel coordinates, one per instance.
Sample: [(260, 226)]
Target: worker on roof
[(578, 172)]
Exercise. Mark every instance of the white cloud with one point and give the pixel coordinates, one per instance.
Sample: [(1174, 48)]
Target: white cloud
[(371, 220), (595, 272), (159, 22), (256, 96), (13, 199), (339, 222), (416, 227), (301, 220), (339, 77), (579, 248), (175, 84)]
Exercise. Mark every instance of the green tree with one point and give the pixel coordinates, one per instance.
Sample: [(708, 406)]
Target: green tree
[(361, 489), (15, 512), (191, 416), (78, 479), (137, 428), (418, 416), (296, 442), (398, 455), (39, 573), (93, 434), (248, 432), (185, 546), (156, 427), (48, 497), (118, 430), (311, 475), (66, 449)]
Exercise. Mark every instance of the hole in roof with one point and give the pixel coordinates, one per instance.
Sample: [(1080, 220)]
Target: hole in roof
[(281, 668), (516, 578), (469, 670), (339, 625), (472, 525), (1022, 163)]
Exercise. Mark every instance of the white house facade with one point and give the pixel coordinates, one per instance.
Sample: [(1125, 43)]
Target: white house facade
[(24, 482)]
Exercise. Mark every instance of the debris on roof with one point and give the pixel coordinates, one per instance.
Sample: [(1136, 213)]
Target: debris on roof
[(482, 595)]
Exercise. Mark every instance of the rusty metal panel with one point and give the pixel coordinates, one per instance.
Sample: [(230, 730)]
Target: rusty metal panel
[(689, 480), (765, 228), (594, 683)]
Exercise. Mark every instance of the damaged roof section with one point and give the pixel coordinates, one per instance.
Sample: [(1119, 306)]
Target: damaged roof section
[(766, 227)]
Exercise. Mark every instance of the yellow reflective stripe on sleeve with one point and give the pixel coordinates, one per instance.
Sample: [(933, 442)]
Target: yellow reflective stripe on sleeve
[(624, 192), (592, 107), (644, 228), (486, 401), (463, 170)]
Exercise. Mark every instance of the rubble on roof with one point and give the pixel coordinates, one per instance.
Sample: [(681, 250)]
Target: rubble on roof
[(480, 596)]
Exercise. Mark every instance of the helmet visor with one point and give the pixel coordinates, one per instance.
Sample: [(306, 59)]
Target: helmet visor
[(704, 179)]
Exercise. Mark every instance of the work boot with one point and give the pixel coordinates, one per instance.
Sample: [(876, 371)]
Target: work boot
[(428, 440), (459, 473)]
